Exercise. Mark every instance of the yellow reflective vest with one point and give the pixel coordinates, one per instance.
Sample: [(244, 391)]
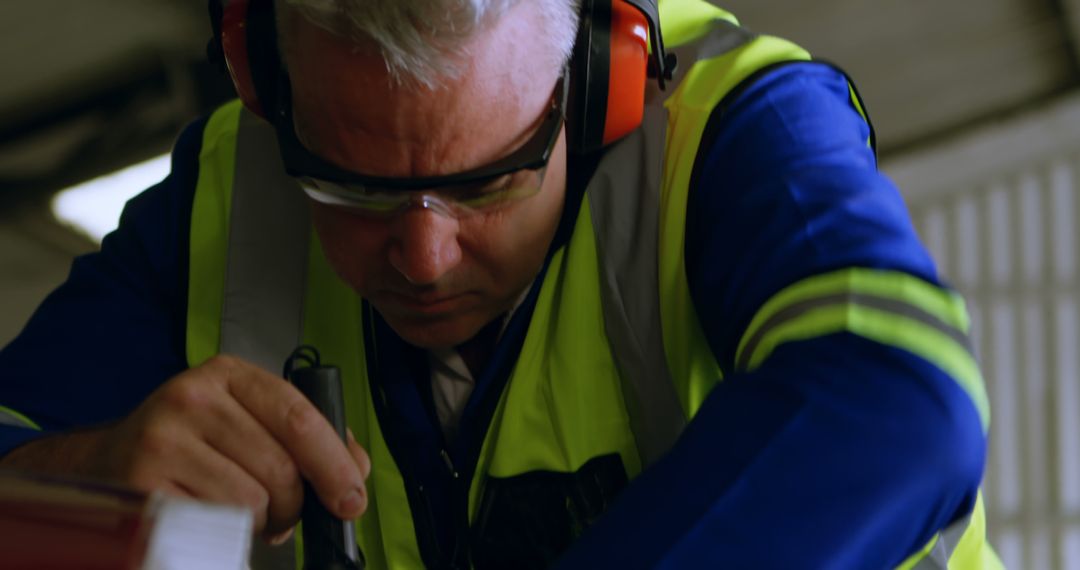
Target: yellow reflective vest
[(571, 398)]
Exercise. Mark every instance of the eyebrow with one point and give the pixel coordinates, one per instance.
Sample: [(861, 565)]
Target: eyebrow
[(300, 161)]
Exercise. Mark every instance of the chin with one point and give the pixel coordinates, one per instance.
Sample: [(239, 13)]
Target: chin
[(435, 333)]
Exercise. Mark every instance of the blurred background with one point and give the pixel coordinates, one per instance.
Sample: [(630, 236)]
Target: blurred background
[(977, 109)]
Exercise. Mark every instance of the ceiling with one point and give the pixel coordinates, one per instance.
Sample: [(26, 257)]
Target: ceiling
[(90, 86), (928, 68)]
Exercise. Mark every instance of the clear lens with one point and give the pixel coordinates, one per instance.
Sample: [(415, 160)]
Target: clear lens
[(457, 202)]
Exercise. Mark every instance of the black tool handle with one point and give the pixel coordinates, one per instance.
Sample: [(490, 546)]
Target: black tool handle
[(329, 542)]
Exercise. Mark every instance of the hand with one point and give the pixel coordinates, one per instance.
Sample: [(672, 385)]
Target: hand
[(225, 431)]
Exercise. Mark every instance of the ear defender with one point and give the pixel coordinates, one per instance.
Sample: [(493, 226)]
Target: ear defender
[(234, 47), (246, 40), (627, 73), (608, 69), (608, 73)]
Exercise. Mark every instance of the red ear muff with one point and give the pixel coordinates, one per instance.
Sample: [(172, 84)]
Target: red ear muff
[(607, 74), (629, 55), (234, 45)]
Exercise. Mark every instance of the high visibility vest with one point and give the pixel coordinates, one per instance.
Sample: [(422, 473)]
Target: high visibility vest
[(614, 361)]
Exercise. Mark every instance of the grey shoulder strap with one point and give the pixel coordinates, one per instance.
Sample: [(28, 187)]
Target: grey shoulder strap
[(266, 263), (9, 417), (266, 271), (624, 196), (947, 540)]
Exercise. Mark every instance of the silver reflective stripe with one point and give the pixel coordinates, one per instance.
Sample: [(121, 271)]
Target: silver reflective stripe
[(724, 37), (938, 557), (885, 304), (624, 197), (9, 417), (266, 273)]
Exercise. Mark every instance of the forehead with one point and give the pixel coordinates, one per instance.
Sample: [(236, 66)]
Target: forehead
[(348, 104)]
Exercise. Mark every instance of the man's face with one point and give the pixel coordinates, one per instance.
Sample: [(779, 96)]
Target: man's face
[(435, 279)]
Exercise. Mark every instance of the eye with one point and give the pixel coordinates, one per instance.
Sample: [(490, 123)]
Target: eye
[(491, 186), (478, 191)]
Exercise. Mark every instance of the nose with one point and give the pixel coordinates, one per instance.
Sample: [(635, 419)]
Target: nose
[(425, 245)]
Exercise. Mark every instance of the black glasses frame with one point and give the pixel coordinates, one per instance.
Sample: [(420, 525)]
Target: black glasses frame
[(533, 155)]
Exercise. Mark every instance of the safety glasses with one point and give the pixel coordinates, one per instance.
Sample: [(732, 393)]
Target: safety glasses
[(514, 177)]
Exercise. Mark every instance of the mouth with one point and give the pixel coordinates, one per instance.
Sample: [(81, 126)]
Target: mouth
[(425, 305)]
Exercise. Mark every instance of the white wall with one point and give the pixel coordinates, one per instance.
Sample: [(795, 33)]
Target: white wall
[(999, 208)]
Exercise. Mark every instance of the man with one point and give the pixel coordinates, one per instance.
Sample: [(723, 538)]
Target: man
[(512, 343)]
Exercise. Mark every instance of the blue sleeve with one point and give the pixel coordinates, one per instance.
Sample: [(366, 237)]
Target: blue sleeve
[(115, 329), (837, 452)]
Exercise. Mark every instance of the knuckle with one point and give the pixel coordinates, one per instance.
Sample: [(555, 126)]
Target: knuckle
[(283, 508), (222, 367), (301, 418), (186, 396), (346, 476), (363, 461), (256, 497), (365, 468), (222, 361), (283, 473)]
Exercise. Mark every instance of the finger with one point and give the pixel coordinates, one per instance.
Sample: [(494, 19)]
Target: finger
[(173, 490), (194, 468), (359, 454), (233, 432), (218, 480), (200, 402), (280, 538), (306, 435), (323, 459)]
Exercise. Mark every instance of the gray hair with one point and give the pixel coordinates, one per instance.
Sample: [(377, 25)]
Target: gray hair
[(423, 40)]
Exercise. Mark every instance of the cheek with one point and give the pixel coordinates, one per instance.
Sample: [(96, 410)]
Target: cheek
[(351, 245), (512, 243)]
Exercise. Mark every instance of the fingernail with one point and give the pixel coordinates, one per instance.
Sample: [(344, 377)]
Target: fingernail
[(350, 506), (279, 539)]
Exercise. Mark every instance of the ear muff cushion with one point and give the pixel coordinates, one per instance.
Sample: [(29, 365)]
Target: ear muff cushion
[(629, 56), (234, 45), (608, 74)]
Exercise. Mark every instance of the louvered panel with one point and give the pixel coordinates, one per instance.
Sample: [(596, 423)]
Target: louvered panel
[(925, 66), (999, 210)]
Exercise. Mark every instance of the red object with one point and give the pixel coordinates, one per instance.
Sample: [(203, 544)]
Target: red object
[(235, 47), (626, 83), (50, 522), (46, 524)]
